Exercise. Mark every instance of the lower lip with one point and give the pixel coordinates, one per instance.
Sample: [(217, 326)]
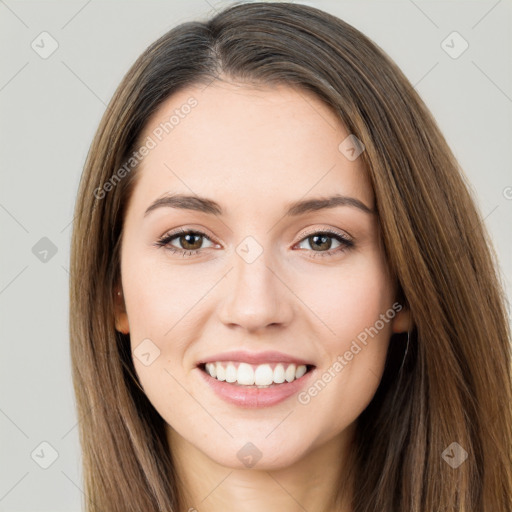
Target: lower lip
[(254, 397)]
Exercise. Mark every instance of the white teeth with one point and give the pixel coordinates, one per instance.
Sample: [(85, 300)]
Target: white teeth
[(231, 373), (249, 375), (264, 375), (245, 375), (301, 370), (279, 374), (221, 372), (211, 369), (289, 375)]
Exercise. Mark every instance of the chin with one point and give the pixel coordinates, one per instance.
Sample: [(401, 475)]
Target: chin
[(260, 455)]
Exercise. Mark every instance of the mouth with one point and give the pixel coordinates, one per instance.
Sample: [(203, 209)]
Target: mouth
[(255, 386), (255, 376)]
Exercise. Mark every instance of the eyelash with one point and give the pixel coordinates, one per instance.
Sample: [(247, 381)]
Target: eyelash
[(165, 241)]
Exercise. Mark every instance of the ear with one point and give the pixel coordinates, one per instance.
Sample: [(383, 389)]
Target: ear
[(402, 322), (121, 317)]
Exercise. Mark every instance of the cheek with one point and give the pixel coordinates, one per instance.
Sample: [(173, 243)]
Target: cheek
[(164, 303), (350, 298), (356, 306), (158, 298), (158, 295)]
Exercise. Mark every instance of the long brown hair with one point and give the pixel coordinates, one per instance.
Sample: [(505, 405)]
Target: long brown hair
[(455, 384)]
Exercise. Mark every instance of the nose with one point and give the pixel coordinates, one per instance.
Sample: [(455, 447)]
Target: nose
[(256, 296)]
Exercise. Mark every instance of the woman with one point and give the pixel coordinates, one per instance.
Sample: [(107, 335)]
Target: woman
[(282, 294)]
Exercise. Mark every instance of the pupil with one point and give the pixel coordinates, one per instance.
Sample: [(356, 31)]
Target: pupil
[(187, 242), (325, 240)]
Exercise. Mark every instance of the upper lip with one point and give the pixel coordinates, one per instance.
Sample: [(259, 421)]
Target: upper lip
[(255, 358)]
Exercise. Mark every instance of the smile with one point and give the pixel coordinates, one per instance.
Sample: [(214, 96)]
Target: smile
[(261, 375), (248, 393)]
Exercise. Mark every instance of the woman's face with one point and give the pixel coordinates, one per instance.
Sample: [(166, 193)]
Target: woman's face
[(309, 285)]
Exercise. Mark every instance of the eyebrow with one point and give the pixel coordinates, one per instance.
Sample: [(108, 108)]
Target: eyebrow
[(208, 206)]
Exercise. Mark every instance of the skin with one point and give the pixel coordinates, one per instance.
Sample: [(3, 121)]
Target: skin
[(254, 151)]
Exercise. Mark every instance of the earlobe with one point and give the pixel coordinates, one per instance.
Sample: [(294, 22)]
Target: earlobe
[(121, 317), (402, 321)]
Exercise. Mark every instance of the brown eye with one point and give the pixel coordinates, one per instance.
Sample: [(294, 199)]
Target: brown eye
[(190, 241), (320, 241)]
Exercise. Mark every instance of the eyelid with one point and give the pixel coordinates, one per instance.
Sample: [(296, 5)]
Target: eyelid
[(189, 229), (311, 231)]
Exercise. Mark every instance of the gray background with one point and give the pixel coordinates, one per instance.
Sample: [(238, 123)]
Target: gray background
[(50, 108)]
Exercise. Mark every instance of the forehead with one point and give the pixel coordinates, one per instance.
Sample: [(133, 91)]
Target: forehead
[(276, 144)]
